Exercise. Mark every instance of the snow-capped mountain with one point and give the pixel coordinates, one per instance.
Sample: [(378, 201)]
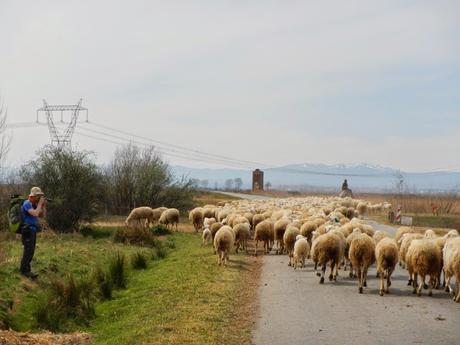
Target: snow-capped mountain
[(307, 176)]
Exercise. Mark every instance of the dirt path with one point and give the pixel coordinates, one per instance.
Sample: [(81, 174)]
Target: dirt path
[(296, 309)]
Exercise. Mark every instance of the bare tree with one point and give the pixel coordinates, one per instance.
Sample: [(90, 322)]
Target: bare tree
[(238, 183), (5, 140)]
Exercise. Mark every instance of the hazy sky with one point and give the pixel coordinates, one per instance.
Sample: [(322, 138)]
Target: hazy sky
[(269, 81)]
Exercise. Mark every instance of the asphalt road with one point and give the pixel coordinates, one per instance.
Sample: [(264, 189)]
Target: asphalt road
[(295, 309)]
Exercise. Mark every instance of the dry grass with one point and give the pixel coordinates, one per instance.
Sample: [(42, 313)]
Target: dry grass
[(17, 338), (418, 204)]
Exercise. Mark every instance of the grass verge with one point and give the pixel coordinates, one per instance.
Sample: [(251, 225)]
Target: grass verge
[(184, 299)]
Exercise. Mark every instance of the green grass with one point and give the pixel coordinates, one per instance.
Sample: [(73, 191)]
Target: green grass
[(184, 299), (441, 221), (55, 256)]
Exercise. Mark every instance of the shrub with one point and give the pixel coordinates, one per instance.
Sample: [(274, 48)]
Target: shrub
[(104, 283), (170, 243), (66, 302), (134, 235), (118, 271), (72, 179), (160, 230), (139, 261)]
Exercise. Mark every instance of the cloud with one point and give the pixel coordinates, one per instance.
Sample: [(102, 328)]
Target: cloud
[(262, 81)]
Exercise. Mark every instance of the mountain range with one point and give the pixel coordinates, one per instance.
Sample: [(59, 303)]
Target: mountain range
[(362, 177)]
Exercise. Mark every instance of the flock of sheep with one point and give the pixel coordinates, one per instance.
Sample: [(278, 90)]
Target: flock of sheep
[(331, 231), (145, 216)]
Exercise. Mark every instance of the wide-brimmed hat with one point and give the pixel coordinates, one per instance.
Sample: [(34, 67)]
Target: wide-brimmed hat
[(36, 191)]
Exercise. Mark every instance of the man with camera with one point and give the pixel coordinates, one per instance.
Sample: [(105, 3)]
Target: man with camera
[(33, 209)]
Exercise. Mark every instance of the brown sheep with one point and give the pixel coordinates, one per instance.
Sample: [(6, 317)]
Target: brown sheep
[(423, 258), (280, 229), (264, 232), (214, 228), (143, 216), (256, 219), (387, 256), (326, 249), (196, 216), (170, 217), (241, 231), (306, 230), (362, 255)]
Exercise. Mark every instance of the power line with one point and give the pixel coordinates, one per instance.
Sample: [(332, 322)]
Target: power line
[(252, 163), (167, 150)]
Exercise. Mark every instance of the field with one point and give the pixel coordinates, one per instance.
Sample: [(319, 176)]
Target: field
[(184, 298)]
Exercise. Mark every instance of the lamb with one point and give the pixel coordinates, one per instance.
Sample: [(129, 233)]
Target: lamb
[(280, 229), (196, 216), (301, 251), (264, 232), (423, 258), (142, 215), (451, 256), (362, 255), (170, 217), (387, 256), (289, 240), (207, 236), (325, 249), (223, 242), (241, 231)]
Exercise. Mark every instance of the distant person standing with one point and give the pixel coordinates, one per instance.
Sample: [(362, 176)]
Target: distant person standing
[(33, 209), (345, 185)]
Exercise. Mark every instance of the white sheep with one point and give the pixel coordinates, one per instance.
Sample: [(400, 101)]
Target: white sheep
[(170, 217), (223, 242), (387, 256), (362, 256), (301, 251), (143, 216)]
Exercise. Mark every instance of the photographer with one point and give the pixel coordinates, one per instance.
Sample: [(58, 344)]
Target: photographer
[(32, 209)]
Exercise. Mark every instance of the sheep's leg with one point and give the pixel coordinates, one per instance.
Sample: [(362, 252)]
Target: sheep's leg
[(331, 274), (457, 298), (351, 270), (360, 279), (420, 285), (433, 282), (382, 285), (414, 282), (255, 248), (389, 273), (323, 272), (447, 283), (365, 276)]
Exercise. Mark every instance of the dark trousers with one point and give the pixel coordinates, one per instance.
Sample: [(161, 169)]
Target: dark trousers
[(29, 240)]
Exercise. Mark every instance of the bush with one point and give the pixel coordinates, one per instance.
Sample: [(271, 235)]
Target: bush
[(134, 235), (138, 176), (66, 302), (118, 271), (139, 261), (104, 283), (72, 179), (159, 251), (160, 230)]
